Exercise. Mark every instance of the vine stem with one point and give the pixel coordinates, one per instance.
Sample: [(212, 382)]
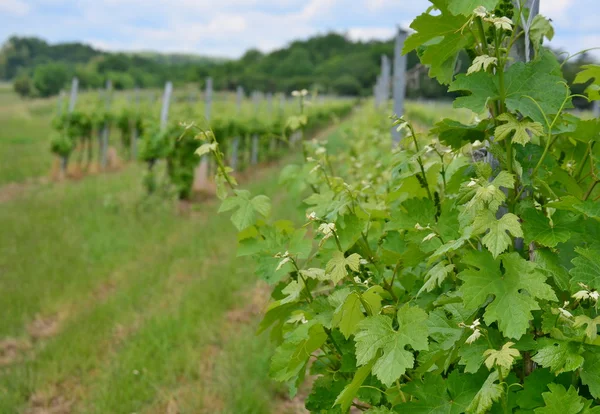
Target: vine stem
[(420, 160)]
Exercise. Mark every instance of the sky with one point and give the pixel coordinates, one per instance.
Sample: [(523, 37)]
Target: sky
[(227, 28)]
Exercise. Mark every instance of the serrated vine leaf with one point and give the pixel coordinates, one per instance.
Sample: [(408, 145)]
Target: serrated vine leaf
[(534, 385), (436, 276), (504, 357), (540, 28), (523, 130), (206, 148), (561, 401), (537, 80), (591, 330), (456, 134), (587, 268), (442, 35), (487, 395), (376, 333), (590, 374), (588, 73), (547, 231), (336, 267), (246, 209), (291, 356), (482, 63), (497, 238), (349, 314), (559, 356), (349, 393), (516, 288), (436, 395)]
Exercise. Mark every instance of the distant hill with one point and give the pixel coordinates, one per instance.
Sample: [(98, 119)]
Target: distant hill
[(179, 58), (331, 62)]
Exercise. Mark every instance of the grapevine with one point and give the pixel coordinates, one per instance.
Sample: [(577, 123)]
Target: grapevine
[(424, 279)]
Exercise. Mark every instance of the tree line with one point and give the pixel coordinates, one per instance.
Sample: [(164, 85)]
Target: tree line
[(332, 63)]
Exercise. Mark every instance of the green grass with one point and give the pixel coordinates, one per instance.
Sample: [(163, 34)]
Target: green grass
[(136, 297)]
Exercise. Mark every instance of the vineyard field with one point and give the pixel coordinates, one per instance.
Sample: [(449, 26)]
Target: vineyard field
[(119, 310)]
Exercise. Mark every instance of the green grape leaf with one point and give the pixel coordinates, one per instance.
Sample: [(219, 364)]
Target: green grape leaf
[(206, 148), (372, 299), (497, 238), (293, 354), (246, 208), (537, 80), (561, 401), (524, 130), (421, 211), (348, 315), (443, 40), (436, 276), (471, 356), (376, 333), (548, 261), (323, 394), (559, 356), (535, 384), (515, 290), (457, 134), (443, 330), (540, 28), (482, 86), (293, 291), (587, 268), (590, 374), (588, 73), (347, 396), (336, 267), (545, 231), (485, 397), (589, 208), (436, 395), (504, 358), (466, 7), (592, 325)]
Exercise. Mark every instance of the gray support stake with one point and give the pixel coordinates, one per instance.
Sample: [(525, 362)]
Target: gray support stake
[(399, 80), (282, 104), (233, 162), (254, 153), (235, 145), (60, 104), (270, 104), (239, 98), (106, 128), (597, 109), (522, 51), (164, 112), (73, 98), (386, 78), (254, 158), (209, 97)]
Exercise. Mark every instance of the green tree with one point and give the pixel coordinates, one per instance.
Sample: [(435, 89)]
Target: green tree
[(23, 85), (347, 85), (50, 78)]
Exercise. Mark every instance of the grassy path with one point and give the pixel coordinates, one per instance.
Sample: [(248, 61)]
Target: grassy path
[(108, 308)]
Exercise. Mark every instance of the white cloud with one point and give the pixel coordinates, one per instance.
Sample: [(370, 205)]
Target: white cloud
[(230, 27), (370, 33), (14, 7)]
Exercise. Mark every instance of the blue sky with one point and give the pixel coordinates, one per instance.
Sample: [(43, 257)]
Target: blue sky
[(229, 27)]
